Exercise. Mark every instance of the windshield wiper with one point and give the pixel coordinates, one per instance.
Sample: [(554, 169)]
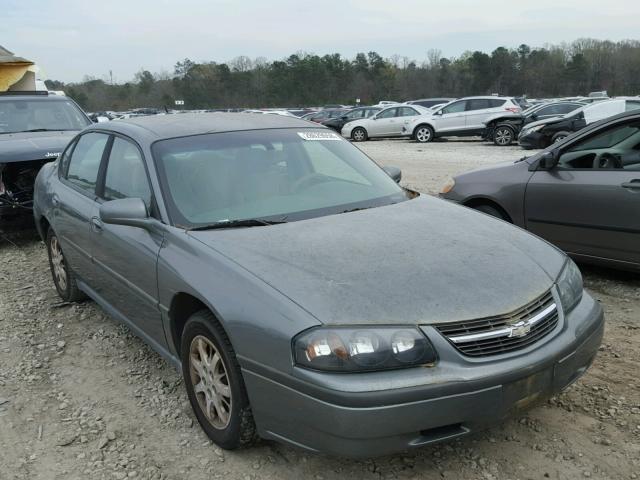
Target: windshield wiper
[(247, 222), (44, 130)]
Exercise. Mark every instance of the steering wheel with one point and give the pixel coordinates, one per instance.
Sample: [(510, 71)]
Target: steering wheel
[(607, 160), (308, 180)]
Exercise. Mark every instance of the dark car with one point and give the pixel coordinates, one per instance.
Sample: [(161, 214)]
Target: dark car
[(503, 129), (286, 275), (542, 133), (322, 115), (357, 113), (429, 102), (34, 128), (582, 194)]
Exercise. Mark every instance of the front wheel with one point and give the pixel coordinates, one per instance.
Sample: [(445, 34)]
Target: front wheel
[(423, 134), (359, 134), (63, 277), (214, 383), (558, 137), (503, 136)]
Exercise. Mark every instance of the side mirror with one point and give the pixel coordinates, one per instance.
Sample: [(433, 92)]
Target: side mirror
[(548, 161), (439, 112), (375, 117), (125, 211), (393, 172)]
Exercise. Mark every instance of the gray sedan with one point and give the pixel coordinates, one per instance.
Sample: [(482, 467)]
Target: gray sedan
[(304, 295), (582, 194)]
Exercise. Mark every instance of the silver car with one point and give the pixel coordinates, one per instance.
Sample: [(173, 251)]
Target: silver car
[(304, 295), (464, 117), (389, 122)]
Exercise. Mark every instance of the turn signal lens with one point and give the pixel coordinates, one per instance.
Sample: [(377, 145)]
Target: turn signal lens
[(353, 349), (448, 186)]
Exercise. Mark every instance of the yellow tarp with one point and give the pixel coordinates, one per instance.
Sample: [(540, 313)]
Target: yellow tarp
[(11, 73)]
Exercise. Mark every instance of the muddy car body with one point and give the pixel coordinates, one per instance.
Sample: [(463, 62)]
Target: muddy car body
[(34, 129), (357, 328)]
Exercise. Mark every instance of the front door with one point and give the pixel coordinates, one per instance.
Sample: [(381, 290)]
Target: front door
[(590, 203), (452, 117), (74, 202), (126, 257), (384, 123)]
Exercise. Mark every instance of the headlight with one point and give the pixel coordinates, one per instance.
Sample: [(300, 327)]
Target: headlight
[(537, 128), (448, 186), (357, 349), (570, 286)]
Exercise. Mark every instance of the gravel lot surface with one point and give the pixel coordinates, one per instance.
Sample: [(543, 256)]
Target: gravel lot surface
[(81, 397)]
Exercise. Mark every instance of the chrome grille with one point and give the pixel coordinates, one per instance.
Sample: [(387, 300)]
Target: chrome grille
[(505, 333)]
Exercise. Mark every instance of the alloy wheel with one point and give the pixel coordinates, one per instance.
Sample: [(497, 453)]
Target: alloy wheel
[(423, 135), (358, 135), (503, 136), (210, 382), (57, 261)]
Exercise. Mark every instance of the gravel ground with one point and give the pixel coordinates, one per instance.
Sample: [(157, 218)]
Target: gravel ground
[(81, 397)]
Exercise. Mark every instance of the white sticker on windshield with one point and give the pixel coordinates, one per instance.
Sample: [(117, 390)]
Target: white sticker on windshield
[(315, 135)]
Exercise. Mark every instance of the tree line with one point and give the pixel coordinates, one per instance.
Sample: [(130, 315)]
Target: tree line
[(305, 79)]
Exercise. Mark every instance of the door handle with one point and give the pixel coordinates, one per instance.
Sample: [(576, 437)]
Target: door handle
[(633, 184), (96, 224)]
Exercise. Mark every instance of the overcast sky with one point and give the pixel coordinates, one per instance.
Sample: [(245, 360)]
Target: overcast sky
[(72, 38)]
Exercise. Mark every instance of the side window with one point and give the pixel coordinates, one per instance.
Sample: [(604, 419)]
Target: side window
[(407, 112), (550, 110), (126, 176), (85, 161), (455, 107), (64, 159), (371, 112), (495, 103), (389, 113), (477, 104), (356, 114), (614, 148), (566, 108)]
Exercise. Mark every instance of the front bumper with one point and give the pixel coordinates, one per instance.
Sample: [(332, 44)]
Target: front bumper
[(533, 140), (372, 414)]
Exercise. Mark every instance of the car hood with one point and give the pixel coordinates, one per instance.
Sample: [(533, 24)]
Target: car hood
[(416, 262), (25, 146), (546, 121)]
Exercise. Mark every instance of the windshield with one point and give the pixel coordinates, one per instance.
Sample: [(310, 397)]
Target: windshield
[(20, 115), (280, 174)]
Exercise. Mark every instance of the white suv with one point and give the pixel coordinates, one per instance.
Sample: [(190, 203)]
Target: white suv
[(460, 118), (389, 122)]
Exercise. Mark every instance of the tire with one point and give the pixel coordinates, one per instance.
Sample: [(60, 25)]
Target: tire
[(559, 136), (423, 134), (63, 277), (493, 211), (359, 134), (232, 426), (503, 136)]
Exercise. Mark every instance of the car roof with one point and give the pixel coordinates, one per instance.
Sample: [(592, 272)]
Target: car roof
[(170, 126), (35, 97)]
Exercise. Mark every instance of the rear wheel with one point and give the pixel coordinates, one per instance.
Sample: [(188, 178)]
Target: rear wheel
[(214, 383), (423, 134), (491, 210), (63, 277), (558, 137), (359, 134), (503, 136)]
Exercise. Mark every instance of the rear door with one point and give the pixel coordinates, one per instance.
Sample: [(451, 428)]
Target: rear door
[(477, 112), (589, 204), (125, 257), (75, 201), (405, 116)]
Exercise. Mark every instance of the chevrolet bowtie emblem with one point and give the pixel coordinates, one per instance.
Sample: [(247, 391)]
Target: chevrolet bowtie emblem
[(520, 330)]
